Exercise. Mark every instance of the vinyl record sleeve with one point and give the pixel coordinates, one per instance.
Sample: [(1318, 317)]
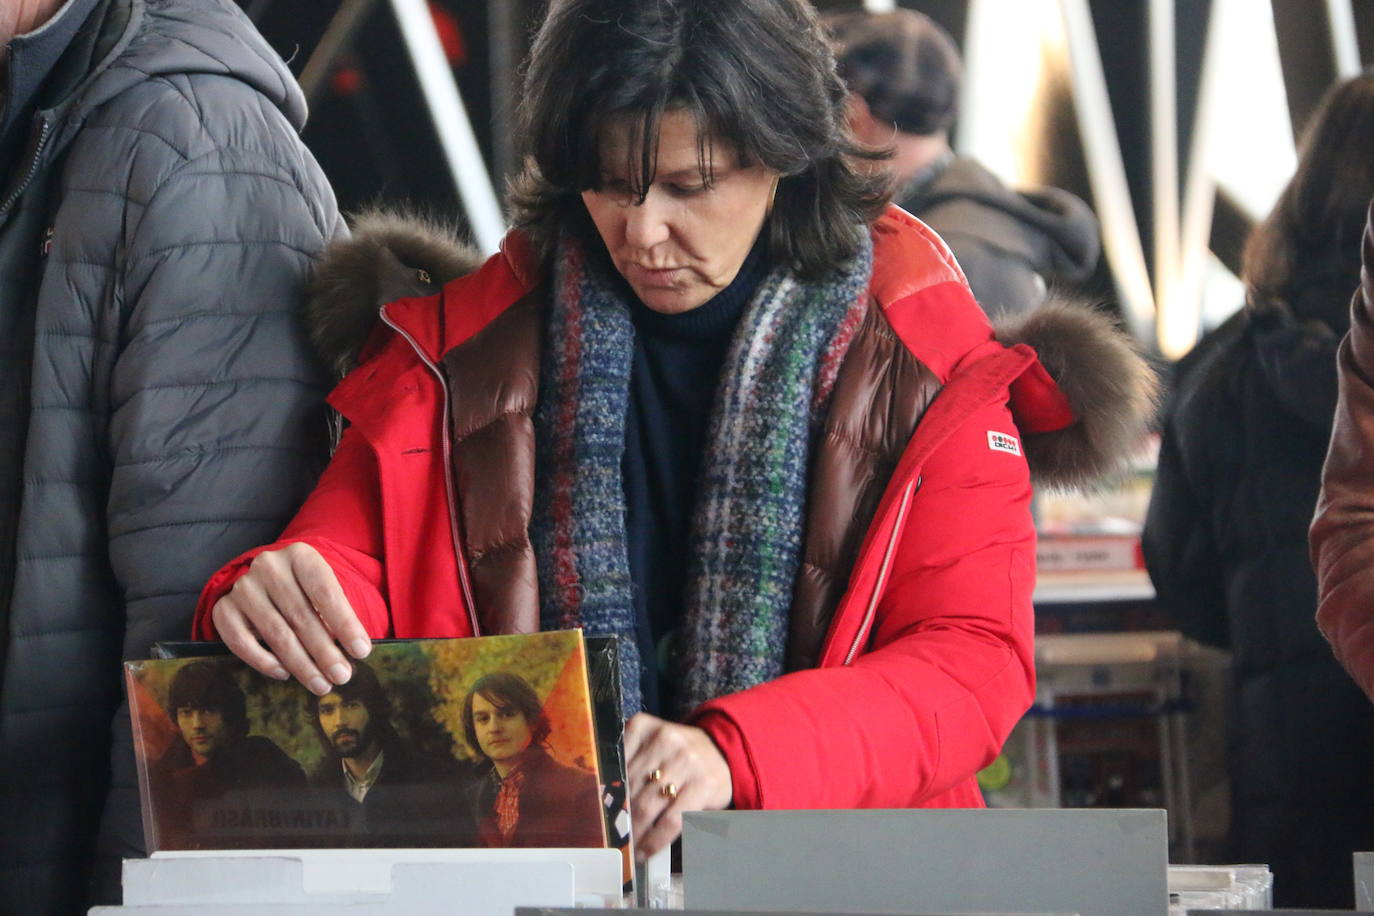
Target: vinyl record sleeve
[(404, 755), (603, 669)]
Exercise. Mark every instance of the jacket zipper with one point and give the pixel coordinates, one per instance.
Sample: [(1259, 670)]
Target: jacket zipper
[(33, 167), (463, 581), (883, 570)]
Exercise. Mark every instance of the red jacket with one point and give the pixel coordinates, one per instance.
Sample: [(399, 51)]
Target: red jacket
[(927, 662)]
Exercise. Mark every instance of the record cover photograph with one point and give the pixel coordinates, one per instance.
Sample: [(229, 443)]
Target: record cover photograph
[(487, 741)]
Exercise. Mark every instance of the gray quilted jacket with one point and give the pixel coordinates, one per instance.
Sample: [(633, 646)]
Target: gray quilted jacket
[(153, 241)]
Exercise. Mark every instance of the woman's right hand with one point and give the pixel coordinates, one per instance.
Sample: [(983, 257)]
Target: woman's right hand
[(291, 600)]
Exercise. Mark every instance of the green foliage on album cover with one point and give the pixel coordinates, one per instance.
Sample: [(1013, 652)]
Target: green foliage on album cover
[(457, 665)]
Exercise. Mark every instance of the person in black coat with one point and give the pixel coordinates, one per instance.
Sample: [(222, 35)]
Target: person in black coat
[(1225, 539), (382, 790)]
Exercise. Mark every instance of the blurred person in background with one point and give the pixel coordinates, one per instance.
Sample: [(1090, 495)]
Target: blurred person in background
[(903, 72), (1226, 535), (714, 397), (159, 408)]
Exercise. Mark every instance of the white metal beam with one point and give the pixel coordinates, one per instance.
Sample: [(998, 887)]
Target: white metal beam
[(1345, 44), (1181, 320), (1106, 171), (1164, 156), (450, 119)]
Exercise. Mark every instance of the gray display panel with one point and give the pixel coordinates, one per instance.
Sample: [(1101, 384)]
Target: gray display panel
[(1364, 880), (1107, 862), (578, 911)]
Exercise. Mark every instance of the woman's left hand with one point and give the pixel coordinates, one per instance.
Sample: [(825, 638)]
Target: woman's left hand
[(672, 768)]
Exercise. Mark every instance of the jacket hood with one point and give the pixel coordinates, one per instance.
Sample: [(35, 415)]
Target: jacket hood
[(1097, 372), (387, 256), (1049, 228), (1109, 386), (1294, 332), (1298, 360), (126, 42)]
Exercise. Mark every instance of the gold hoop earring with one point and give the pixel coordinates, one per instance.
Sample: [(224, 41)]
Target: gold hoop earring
[(772, 196)]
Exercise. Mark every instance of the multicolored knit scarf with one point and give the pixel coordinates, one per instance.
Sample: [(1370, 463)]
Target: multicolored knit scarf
[(747, 529)]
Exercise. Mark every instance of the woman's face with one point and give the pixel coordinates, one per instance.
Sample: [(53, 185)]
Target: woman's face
[(502, 731), (687, 240)]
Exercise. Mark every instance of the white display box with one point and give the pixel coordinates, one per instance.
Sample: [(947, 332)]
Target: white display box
[(474, 882), (1238, 887)]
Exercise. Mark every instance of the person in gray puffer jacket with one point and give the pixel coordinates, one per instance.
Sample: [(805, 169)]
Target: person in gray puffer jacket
[(159, 409), (1012, 245), (903, 72)]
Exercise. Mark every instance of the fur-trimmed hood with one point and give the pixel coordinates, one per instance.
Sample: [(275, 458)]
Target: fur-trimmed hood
[(387, 256), (1109, 386)]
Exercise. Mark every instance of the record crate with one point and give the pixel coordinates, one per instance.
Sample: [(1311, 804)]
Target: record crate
[(1130, 720)]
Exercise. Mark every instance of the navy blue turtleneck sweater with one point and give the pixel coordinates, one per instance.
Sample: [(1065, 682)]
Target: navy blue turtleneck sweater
[(673, 381), (32, 58)]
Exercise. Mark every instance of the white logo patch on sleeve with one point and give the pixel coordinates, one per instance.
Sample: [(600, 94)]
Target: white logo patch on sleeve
[(1001, 442)]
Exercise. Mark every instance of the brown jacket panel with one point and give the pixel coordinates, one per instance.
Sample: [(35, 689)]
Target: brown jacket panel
[(1343, 529), (880, 394), (493, 386)]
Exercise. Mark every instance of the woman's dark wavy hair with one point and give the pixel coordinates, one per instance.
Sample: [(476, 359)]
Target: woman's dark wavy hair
[(1310, 242), (502, 689), (757, 75)]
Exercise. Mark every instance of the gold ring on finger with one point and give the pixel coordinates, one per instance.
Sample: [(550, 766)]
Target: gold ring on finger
[(668, 790), (656, 775)]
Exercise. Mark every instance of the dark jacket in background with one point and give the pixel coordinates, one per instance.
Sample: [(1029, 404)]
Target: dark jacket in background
[(1010, 244), (153, 239), (1226, 545), (416, 801)]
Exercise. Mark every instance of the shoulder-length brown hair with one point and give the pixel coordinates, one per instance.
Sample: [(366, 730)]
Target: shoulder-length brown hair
[(1312, 236), (503, 689), (757, 75)]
